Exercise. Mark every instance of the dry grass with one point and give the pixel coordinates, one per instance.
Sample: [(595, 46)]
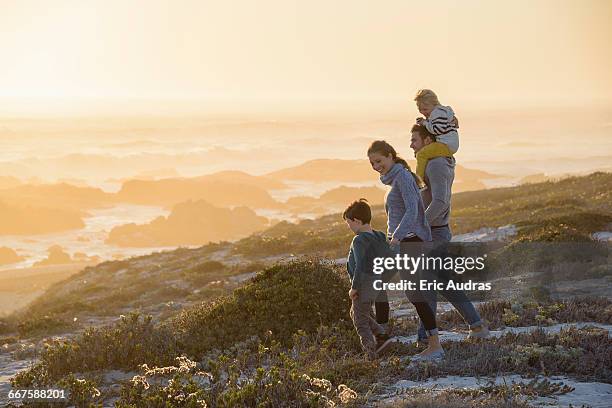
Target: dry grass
[(501, 313), (583, 354)]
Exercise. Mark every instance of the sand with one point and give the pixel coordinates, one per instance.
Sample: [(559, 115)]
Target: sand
[(18, 287)]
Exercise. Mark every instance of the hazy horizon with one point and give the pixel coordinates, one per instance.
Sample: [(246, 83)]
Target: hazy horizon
[(103, 92), (274, 55), (126, 147)]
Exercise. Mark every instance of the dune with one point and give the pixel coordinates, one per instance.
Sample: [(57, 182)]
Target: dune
[(32, 282), (353, 170), (168, 172), (535, 178), (327, 170), (244, 178), (56, 256), (464, 173), (336, 199), (30, 220), (216, 191), (524, 167), (189, 223), (9, 256), (335, 170), (341, 194), (60, 195), (137, 161), (468, 185), (232, 176)]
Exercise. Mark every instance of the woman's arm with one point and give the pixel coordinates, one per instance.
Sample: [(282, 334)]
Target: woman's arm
[(410, 204)]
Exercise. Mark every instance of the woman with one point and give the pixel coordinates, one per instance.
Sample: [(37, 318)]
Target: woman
[(406, 224)]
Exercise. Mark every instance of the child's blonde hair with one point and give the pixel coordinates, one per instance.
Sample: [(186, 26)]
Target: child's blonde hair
[(426, 96)]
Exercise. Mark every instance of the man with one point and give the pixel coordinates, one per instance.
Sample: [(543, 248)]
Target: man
[(439, 177)]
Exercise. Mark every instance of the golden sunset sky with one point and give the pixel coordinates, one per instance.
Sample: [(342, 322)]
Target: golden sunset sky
[(116, 55)]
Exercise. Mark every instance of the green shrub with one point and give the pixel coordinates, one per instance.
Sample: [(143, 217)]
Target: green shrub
[(125, 345), (7, 325), (300, 295), (227, 385), (39, 325), (81, 392)]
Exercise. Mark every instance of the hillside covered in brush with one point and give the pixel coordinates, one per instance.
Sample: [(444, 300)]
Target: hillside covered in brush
[(255, 322), (160, 283)]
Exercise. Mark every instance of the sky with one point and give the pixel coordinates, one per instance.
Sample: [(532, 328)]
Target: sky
[(111, 56)]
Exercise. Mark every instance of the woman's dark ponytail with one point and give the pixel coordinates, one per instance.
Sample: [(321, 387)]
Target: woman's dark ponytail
[(383, 148), (402, 162)]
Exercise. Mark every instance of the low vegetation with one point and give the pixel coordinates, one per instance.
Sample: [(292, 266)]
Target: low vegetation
[(530, 312), (285, 336), (583, 354), (514, 395), (193, 332), (532, 204), (159, 284), (300, 304)]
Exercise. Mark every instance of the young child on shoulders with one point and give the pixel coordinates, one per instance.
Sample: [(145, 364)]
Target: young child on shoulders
[(440, 121), (366, 245)]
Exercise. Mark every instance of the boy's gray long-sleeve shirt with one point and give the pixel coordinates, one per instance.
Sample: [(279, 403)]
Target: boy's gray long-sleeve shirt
[(439, 177)]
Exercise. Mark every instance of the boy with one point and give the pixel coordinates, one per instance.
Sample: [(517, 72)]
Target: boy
[(366, 245), (441, 122)]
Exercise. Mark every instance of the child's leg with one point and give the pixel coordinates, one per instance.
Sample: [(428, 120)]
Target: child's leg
[(361, 316), (377, 329), (427, 153)]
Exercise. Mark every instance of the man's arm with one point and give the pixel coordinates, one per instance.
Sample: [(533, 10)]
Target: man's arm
[(437, 175)]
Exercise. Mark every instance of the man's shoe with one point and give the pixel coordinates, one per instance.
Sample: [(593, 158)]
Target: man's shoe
[(435, 356), (483, 333), (383, 341)]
